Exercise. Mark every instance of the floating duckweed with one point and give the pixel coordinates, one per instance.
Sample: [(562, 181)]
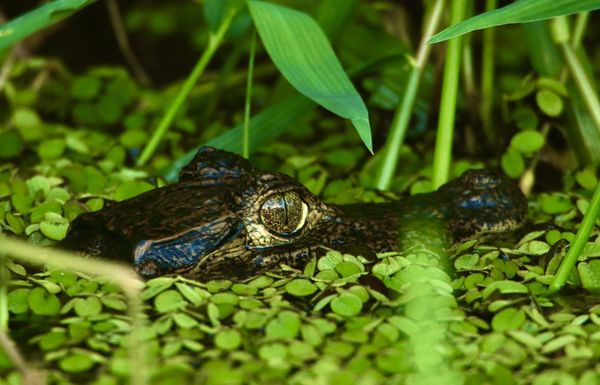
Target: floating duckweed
[(300, 287), (346, 304), (169, 301), (54, 226)]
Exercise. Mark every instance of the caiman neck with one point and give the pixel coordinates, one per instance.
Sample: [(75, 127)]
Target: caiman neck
[(374, 224)]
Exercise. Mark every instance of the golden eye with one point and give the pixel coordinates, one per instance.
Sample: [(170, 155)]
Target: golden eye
[(284, 213)]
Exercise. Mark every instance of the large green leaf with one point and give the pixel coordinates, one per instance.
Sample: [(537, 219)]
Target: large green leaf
[(301, 51), (521, 11), (39, 18)]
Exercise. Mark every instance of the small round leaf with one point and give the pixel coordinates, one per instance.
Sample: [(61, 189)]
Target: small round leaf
[(300, 288), (346, 305)]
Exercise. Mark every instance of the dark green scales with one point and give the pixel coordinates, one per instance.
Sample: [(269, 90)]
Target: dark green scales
[(226, 219)]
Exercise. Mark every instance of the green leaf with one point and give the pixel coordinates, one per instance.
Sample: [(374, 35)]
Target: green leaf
[(329, 260), (189, 293), (131, 188), (228, 339), (527, 142), (169, 301), (184, 321), (43, 303), (11, 144), (347, 268), (549, 102), (512, 163), (346, 305), (466, 261), (41, 17), (18, 301), (286, 326), (85, 87), (555, 203), (505, 287), (302, 53), (508, 319), (521, 11), (590, 274), (54, 226), (76, 363), (85, 307), (300, 287), (587, 178)]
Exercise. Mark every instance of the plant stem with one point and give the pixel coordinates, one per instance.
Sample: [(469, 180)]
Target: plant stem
[(581, 237), (487, 76), (583, 83), (3, 294), (123, 41), (214, 42), (443, 144), (391, 151), (246, 137)]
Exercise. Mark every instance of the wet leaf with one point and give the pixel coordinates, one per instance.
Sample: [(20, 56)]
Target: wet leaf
[(54, 226), (527, 142), (508, 319), (90, 306), (228, 339), (76, 363), (346, 305), (549, 102), (43, 303), (300, 287), (169, 301)]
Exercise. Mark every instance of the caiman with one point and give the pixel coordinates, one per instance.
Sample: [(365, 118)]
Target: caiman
[(226, 219)]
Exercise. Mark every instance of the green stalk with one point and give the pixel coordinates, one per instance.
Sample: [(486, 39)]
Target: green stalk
[(445, 131), (487, 76), (583, 83), (3, 294), (214, 42), (581, 237), (391, 151), (468, 72), (246, 137), (581, 23)]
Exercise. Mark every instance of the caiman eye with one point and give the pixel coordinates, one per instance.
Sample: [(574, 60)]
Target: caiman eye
[(284, 213)]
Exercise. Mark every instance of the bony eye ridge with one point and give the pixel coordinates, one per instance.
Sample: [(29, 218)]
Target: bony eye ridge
[(284, 213)]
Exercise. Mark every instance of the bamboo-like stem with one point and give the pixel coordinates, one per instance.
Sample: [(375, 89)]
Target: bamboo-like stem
[(487, 76), (247, 107), (443, 145), (583, 83), (385, 173), (214, 42), (581, 237)]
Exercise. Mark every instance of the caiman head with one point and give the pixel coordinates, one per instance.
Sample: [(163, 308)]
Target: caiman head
[(223, 219)]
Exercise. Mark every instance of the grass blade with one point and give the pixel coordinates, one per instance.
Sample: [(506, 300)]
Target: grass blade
[(445, 130), (394, 142), (213, 43), (581, 237), (302, 53), (246, 141), (41, 17), (521, 11)]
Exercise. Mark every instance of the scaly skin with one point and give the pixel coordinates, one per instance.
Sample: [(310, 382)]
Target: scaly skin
[(213, 223)]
